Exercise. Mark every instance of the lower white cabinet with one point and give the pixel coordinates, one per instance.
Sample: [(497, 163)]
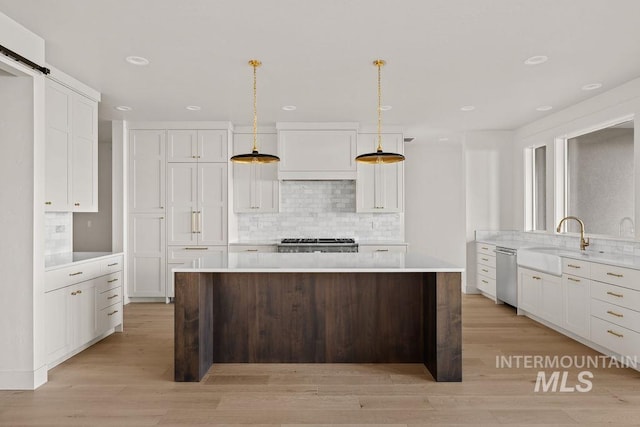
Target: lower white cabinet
[(486, 270), (147, 253), (237, 248), (576, 304), (540, 294), (73, 310), (529, 291), (382, 248)]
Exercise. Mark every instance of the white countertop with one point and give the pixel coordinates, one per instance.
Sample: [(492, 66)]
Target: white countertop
[(378, 262), (62, 260)]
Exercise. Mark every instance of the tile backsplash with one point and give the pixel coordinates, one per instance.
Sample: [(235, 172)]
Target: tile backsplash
[(319, 209), (58, 229)]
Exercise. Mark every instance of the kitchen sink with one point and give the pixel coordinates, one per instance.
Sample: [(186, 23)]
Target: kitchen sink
[(545, 259)]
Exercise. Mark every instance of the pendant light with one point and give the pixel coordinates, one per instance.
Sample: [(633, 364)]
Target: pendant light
[(380, 156), (254, 156)]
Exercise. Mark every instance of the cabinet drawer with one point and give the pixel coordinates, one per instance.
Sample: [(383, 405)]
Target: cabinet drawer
[(180, 254), (109, 281), (620, 340), (110, 317), (486, 249), (59, 278), (383, 248), (111, 265), (616, 275), (576, 267), (616, 295), (109, 297), (252, 248), (621, 316), (487, 271), (486, 285), (487, 260)]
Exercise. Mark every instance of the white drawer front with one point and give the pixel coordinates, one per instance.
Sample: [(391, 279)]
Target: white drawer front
[(252, 248), (486, 249), (59, 278), (621, 316), (109, 297), (486, 285), (109, 281), (181, 254), (488, 260), (616, 295), (383, 248), (486, 271), (576, 267), (111, 265), (109, 317), (616, 338), (616, 275)]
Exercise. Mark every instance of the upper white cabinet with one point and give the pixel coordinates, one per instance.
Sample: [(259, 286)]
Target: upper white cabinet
[(255, 186), (71, 165), (147, 171), (190, 146), (380, 188), (317, 150)]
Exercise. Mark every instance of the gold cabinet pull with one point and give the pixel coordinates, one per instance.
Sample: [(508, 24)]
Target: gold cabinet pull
[(485, 270), (485, 259), (387, 250), (251, 250), (573, 266), (76, 204), (74, 293), (75, 274), (485, 248), (193, 222), (112, 313), (196, 249), (47, 203), (573, 280), (78, 291), (112, 265), (613, 313), (112, 296), (112, 280), (613, 294), (484, 281), (614, 274), (536, 277), (615, 333)]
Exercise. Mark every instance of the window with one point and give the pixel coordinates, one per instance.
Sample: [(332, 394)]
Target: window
[(536, 159), (599, 186)]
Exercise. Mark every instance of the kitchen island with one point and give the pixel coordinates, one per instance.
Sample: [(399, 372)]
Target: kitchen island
[(318, 308)]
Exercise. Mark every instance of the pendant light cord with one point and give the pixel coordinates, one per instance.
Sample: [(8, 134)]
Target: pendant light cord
[(255, 64), (379, 63)]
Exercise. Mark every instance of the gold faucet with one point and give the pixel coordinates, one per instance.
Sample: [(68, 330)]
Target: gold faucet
[(583, 242)]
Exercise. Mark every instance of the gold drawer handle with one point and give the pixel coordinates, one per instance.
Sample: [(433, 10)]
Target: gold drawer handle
[(614, 275), (484, 281), (615, 333), (536, 277), (112, 280), (613, 313), (76, 204), (485, 270), (485, 248), (75, 274), (485, 259), (111, 265), (47, 203), (195, 249), (78, 292), (112, 296), (573, 280), (112, 313), (573, 266), (251, 250), (74, 293), (614, 294)]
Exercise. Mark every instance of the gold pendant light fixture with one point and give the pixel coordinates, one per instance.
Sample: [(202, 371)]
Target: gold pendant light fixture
[(380, 156), (255, 156)]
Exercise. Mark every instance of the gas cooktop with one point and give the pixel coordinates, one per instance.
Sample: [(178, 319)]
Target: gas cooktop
[(321, 241)]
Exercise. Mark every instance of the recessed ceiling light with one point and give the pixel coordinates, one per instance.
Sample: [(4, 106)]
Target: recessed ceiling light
[(123, 108), (137, 60), (535, 60), (193, 108), (544, 108), (289, 108), (468, 108), (443, 139), (592, 86), (385, 107)]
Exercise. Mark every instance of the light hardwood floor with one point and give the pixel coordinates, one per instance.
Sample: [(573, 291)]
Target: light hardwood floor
[(126, 379)]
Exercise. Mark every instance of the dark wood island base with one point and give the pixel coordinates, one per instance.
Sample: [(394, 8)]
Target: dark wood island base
[(319, 317)]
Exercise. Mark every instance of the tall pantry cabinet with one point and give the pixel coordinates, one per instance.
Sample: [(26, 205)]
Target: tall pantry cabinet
[(177, 201)]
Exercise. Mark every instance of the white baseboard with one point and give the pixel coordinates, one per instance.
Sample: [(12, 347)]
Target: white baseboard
[(23, 380)]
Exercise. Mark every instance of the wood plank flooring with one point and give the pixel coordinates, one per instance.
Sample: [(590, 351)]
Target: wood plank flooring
[(126, 380)]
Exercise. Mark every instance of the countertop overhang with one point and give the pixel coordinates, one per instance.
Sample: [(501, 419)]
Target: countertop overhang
[(384, 262)]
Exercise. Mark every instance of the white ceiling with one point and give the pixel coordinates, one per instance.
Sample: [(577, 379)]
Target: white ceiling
[(442, 54)]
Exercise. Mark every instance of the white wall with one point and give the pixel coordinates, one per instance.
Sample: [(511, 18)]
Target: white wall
[(434, 200), (488, 185)]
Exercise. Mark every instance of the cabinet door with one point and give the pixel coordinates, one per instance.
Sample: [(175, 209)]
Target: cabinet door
[(58, 323), (576, 304), (551, 307), (380, 188), (84, 161), (147, 249), (182, 146), (255, 186), (182, 201), (212, 146), (84, 322), (58, 147), (212, 204), (530, 292), (147, 171)]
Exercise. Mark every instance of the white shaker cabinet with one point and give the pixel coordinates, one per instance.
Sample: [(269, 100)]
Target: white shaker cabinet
[(84, 155), (147, 171), (255, 186), (147, 251), (191, 146), (380, 187)]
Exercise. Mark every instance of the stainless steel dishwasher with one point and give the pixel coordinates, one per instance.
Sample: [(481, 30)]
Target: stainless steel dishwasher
[(506, 276)]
